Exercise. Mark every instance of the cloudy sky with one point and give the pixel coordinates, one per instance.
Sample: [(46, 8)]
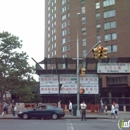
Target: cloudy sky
[(25, 19)]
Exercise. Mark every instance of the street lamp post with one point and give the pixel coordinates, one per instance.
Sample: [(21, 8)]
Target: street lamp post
[(78, 89)]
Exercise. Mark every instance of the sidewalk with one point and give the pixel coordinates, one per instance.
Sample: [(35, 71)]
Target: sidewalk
[(88, 116)]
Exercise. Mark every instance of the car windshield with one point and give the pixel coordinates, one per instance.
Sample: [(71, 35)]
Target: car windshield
[(51, 107), (41, 108)]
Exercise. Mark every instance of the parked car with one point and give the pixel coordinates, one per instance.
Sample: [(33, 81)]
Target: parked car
[(42, 111)]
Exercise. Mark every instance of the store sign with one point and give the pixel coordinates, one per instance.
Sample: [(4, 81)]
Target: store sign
[(68, 79), (90, 84), (68, 89), (49, 84), (112, 68)]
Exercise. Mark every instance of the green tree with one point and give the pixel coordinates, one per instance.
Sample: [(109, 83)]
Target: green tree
[(15, 71)]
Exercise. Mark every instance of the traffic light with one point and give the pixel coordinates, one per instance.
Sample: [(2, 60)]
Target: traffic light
[(82, 91), (103, 52), (96, 53), (83, 71), (100, 52)]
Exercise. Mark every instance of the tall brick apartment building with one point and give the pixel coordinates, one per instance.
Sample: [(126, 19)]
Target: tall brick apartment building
[(107, 21)]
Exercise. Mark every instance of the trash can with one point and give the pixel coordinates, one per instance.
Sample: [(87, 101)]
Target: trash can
[(74, 109)]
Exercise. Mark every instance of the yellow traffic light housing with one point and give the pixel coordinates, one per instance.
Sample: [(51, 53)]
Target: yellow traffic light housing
[(103, 52), (100, 52), (82, 91), (96, 53), (83, 71)]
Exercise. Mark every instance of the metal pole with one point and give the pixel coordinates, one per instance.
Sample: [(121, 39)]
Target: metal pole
[(78, 89)]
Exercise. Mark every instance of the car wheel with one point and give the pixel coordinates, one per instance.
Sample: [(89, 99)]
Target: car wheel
[(25, 116), (54, 116)]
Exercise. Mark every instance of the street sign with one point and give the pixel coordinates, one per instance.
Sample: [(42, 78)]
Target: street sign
[(112, 68)]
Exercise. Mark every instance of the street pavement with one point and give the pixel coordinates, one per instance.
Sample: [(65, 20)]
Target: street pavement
[(88, 116)]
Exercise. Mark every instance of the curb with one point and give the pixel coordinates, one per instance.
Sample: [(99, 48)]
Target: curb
[(60, 118)]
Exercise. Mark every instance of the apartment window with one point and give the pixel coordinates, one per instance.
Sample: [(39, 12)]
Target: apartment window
[(84, 53), (49, 15), (64, 32), (52, 25), (108, 49), (64, 17), (64, 48), (48, 49), (48, 55), (83, 20), (64, 25), (48, 28), (68, 30), (63, 66), (48, 8), (82, 1), (109, 37), (55, 52), (63, 40), (54, 30), (48, 21), (98, 38), (117, 80), (68, 38), (55, 8), (48, 42), (55, 23), (114, 36), (54, 1), (98, 27), (64, 56), (52, 4), (63, 2), (68, 47), (83, 10), (110, 13), (68, 6), (54, 45), (97, 16), (48, 2), (52, 54), (54, 15), (52, 11), (63, 9), (84, 42), (97, 5), (68, 15), (68, 22), (48, 34), (109, 25), (55, 37), (108, 3), (83, 31), (114, 48), (111, 48)]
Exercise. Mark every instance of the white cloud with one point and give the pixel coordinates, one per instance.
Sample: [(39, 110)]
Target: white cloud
[(25, 19)]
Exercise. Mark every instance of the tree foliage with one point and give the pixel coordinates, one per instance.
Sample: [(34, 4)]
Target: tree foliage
[(15, 71)]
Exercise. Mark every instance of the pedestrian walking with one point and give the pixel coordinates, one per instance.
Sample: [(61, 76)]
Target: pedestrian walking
[(14, 109), (116, 109), (5, 109), (101, 107), (70, 107), (83, 110), (105, 109), (59, 104), (112, 111)]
